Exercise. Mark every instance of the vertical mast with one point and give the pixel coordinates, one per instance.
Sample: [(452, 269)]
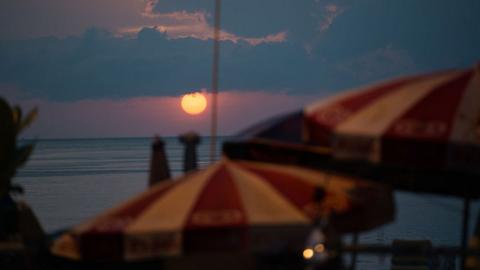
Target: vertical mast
[(215, 64)]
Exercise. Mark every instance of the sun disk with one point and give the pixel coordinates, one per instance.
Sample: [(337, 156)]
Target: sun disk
[(194, 103)]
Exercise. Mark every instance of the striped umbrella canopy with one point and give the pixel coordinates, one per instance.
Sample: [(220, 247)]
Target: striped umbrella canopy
[(420, 133), (427, 121), (230, 206)]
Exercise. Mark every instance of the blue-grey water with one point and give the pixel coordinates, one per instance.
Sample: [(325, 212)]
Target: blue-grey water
[(69, 181)]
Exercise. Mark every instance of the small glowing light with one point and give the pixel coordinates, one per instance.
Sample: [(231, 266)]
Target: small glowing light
[(308, 253), (194, 103), (319, 248)]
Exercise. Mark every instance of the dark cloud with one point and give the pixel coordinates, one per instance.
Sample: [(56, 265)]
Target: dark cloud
[(257, 18), (432, 32), (101, 65), (330, 45)]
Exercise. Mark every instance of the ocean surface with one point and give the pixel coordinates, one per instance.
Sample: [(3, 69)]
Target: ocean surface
[(68, 181)]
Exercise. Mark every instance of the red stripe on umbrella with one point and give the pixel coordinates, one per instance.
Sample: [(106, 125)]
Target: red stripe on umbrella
[(104, 239), (419, 133), (299, 192), (433, 116), (218, 214), (327, 117), (219, 204), (227, 207), (356, 210)]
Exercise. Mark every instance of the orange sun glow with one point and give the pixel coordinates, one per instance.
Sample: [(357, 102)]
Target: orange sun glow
[(194, 103)]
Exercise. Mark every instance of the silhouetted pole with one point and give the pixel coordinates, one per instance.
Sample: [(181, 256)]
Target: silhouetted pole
[(215, 64), (159, 169), (190, 141), (473, 262), (353, 263), (465, 222)]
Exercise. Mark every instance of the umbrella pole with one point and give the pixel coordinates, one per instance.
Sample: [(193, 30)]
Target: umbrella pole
[(466, 217), (216, 55), (353, 263)]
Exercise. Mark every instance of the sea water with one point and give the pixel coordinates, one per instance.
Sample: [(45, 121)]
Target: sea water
[(69, 181)]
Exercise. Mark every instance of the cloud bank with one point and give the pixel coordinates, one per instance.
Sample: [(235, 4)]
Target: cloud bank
[(163, 48)]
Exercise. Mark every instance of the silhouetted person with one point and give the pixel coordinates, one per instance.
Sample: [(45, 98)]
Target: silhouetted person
[(159, 169), (190, 140)]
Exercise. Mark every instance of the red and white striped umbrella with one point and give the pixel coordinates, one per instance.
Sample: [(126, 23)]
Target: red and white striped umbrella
[(418, 133), (427, 121), (230, 206), (428, 125)]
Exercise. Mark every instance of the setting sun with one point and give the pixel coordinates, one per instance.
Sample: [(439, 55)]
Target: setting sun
[(194, 103)]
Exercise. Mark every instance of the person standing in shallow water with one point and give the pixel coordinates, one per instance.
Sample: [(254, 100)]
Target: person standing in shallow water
[(190, 140), (159, 169)]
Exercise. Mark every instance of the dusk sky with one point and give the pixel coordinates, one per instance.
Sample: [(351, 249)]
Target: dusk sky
[(117, 68)]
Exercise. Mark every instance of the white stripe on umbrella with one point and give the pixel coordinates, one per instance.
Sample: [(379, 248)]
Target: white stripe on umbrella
[(327, 101), (69, 244), (275, 210), (466, 129), (371, 122), (170, 212), (323, 117), (330, 203), (239, 206), (156, 232), (105, 221), (344, 197)]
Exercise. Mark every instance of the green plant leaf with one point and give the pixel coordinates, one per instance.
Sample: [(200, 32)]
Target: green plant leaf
[(17, 115), (7, 135), (28, 120), (11, 156), (7, 146)]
